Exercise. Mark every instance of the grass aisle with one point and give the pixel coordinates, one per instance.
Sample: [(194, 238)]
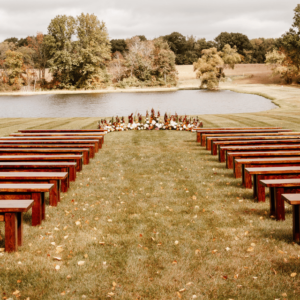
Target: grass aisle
[(157, 218)]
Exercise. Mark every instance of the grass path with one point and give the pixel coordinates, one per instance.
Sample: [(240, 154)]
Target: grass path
[(158, 218)]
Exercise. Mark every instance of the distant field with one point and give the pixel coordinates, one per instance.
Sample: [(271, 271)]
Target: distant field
[(255, 73)]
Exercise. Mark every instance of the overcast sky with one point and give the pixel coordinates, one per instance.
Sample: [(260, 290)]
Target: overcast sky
[(126, 18)]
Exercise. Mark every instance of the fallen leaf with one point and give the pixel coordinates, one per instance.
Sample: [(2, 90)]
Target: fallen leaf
[(182, 290), (57, 267), (214, 251), (176, 243), (63, 293), (198, 251), (57, 258), (293, 274), (16, 292), (78, 223), (81, 263), (189, 283), (178, 294), (274, 271), (69, 277), (114, 284), (251, 249)]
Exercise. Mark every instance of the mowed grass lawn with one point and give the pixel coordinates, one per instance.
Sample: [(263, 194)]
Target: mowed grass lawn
[(155, 216)]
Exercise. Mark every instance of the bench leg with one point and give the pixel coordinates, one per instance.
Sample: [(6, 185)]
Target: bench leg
[(229, 162), (198, 140), (72, 173), (248, 180), (11, 232), (37, 209), (237, 169), (20, 228), (214, 149), (54, 193), (279, 204), (203, 141), (65, 184), (208, 145), (272, 201), (261, 191), (86, 157), (296, 223)]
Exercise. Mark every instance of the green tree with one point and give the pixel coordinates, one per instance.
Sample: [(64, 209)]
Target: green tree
[(79, 63), (230, 56), (209, 68), (118, 45), (239, 40), (13, 65)]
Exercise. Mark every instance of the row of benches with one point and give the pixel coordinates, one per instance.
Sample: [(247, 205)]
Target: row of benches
[(270, 155), (35, 162)]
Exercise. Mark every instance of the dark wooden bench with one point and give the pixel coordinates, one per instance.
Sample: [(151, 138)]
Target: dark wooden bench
[(42, 158), (270, 173), (47, 151), (53, 142), (264, 162), (201, 136), (277, 188), (61, 130), (294, 200), (36, 192), (248, 136), (91, 135), (231, 156), (87, 139), (199, 131), (32, 166), (224, 149), (52, 146), (283, 141), (58, 179), (11, 212)]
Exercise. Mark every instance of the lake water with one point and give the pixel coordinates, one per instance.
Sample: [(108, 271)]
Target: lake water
[(192, 102)]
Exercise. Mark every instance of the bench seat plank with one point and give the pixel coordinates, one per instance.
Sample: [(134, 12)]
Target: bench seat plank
[(42, 158)]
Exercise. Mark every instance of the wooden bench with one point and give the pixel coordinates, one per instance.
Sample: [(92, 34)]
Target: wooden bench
[(91, 147), (206, 136), (91, 135), (61, 130), (277, 188), (224, 149), (36, 192), (68, 167), (11, 212), (53, 142), (58, 179), (47, 151), (264, 162), (294, 200), (210, 139), (201, 134), (87, 139), (270, 173), (231, 156), (51, 158), (283, 141), (199, 131)]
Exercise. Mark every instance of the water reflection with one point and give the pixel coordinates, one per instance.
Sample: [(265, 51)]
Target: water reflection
[(192, 102)]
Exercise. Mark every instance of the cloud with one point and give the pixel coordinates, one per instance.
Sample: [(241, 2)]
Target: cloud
[(154, 18)]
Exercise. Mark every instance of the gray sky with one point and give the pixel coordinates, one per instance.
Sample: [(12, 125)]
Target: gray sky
[(126, 18)]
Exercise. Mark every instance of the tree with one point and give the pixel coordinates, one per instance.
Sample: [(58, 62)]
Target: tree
[(230, 56), (209, 68), (13, 66), (117, 67), (289, 49), (79, 63), (118, 45), (239, 40), (37, 44)]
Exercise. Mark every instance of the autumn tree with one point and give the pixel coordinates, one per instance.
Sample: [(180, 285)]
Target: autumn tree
[(209, 68), (13, 64), (117, 67), (230, 56), (80, 62), (41, 54)]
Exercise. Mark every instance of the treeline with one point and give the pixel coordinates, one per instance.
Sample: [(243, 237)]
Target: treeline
[(189, 49)]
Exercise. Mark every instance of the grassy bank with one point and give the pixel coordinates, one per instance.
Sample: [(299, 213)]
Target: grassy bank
[(159, 218)]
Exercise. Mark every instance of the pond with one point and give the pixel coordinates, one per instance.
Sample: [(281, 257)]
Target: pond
[(191, 102)]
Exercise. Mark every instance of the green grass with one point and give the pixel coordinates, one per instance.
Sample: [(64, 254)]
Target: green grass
[(140, 194)]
